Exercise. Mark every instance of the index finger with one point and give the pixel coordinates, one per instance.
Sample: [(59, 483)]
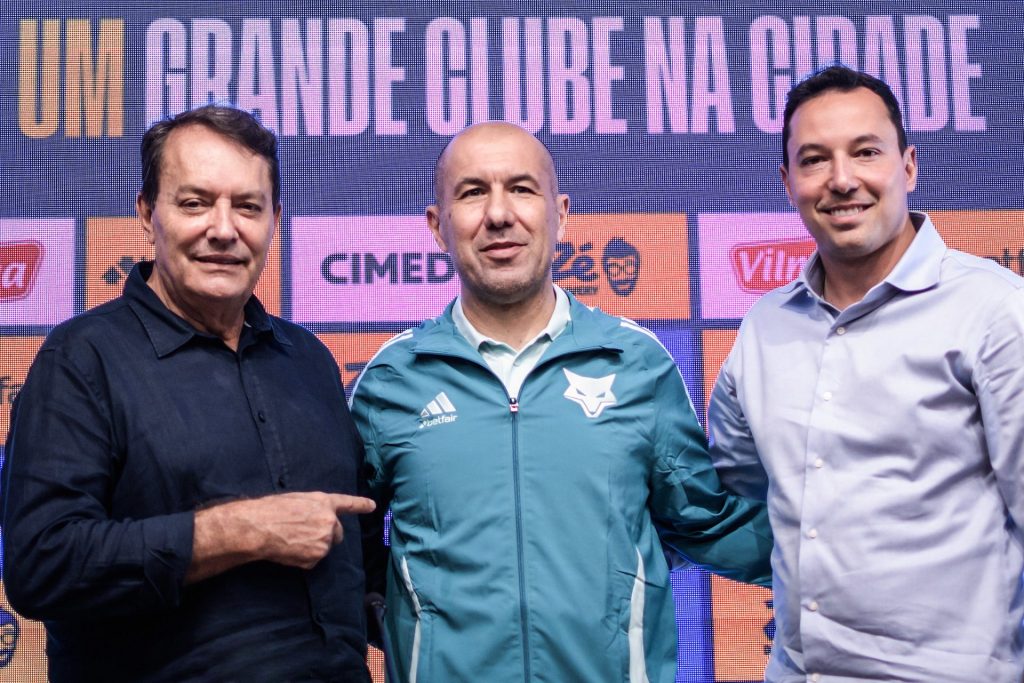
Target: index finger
[(354, 504)]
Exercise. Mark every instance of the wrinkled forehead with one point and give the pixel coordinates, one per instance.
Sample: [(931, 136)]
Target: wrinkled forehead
[(493, 149)]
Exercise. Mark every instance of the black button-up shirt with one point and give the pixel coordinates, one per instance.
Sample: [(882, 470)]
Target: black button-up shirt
[(129, 421)]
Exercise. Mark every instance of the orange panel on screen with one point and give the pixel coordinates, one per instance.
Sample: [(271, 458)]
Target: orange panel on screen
[(18, 355), (352, 351), (634, 265), (114, 245), (27, 639), (717, 345), (997, 235), (742, 617)]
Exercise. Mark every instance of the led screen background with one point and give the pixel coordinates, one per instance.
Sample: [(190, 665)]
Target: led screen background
[(663, 119)]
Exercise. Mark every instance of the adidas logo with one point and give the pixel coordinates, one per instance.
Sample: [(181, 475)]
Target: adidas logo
[(440, 410)]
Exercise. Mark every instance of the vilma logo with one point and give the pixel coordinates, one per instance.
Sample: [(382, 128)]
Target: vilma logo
[(762, 266), (19, 266), (620, 261), (9, 632)]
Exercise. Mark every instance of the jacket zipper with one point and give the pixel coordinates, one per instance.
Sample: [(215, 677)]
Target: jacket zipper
[(513, 407)]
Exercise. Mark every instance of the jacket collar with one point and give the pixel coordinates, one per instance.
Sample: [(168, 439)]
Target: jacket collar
[(588, 329), (168, 332)]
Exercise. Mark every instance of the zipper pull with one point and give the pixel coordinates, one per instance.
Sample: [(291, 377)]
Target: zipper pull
[(513, 404)]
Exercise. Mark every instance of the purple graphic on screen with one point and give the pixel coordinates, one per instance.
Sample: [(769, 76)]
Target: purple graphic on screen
[(745, 255), (363, 269), (37, 271)]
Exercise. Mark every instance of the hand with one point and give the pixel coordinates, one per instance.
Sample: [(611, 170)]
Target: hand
[(294, 529), (299, 529)]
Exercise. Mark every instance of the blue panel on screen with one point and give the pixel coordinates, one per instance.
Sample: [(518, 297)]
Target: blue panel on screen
[(684, 345), (692, 594)]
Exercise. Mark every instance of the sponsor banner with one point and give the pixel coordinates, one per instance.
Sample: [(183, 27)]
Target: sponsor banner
[(344, 272), (37, 270), (114, 245), (634, 265), (362, 269), (18, 354), (22, 646), (745, 255), (353, 351), (996, 235), (717, 345), (744, 627)]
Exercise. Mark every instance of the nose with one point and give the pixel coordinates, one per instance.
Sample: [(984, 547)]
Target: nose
[(843, 178), (499, 210), (222, 226)]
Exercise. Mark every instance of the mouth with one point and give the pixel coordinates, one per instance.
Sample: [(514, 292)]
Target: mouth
[(845, 210), (220, 260), (501, 249)]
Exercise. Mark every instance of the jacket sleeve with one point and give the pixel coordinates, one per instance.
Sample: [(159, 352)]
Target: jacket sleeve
[(375, 551), (695, 516), (65, 556)]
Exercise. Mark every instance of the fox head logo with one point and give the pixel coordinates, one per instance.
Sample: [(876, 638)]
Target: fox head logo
[(593, 394)]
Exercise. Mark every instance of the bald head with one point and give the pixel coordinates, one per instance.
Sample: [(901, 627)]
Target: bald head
[(468, 140)]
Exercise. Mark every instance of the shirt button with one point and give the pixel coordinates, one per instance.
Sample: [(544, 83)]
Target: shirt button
[(840, 331), (813, 606), (262, 416), (815, 677), (827, 396), (819, 463), (813, 533)]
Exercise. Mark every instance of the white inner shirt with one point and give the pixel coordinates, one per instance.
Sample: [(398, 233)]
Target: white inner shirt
[(509, 365)]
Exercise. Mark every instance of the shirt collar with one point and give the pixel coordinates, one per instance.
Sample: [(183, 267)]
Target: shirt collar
[(556, 325), (168, 332), (917, 270)]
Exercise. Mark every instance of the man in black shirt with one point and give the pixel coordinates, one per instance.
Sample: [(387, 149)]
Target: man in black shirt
[(180, 464)]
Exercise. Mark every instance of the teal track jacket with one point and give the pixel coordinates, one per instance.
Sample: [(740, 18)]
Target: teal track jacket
[(527, 538)]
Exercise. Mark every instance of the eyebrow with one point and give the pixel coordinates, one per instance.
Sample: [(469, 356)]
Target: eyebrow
[(474, 181), (859, 140), (195, 189)]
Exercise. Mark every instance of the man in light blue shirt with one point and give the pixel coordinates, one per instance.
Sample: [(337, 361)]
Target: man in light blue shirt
[(877, 403)]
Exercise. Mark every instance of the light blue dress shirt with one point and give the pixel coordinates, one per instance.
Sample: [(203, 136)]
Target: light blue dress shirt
[(888, 439)]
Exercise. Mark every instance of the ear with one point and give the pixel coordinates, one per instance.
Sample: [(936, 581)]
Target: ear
[(784, 174), (910, 166), (563, 215), (433, 215), (145, 213)]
